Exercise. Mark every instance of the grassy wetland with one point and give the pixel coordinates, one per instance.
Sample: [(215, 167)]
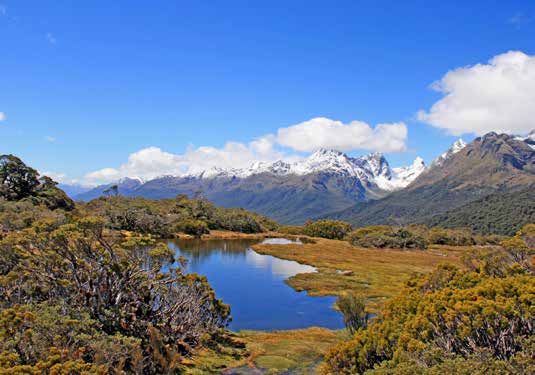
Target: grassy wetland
[(377, 274)]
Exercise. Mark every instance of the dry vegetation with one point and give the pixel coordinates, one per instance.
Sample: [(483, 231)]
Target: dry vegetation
[(296, 351), (377, 274)]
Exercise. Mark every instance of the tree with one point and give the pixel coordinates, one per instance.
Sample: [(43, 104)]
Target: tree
[(17, 180), (112, 191), (353, 308)]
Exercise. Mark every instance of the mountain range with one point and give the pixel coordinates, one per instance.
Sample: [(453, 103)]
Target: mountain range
[(324, 182), (488, 185), (466, 179)]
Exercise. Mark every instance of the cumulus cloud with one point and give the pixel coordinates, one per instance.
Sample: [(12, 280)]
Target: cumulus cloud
[(2, 116), (323, 132), (62, 178), (152, 162), (498, 96), (147, 163)]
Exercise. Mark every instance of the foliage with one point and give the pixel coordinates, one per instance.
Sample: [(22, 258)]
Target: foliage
[(162, 217), (19, 215), (499, 213), (42, 338), (353, 308), (449, 321), (452, 237), (140, 220), (19, 182), (384, 236), (117, 286), (331, 229), (191, 226), (291, 229), (528, 235)]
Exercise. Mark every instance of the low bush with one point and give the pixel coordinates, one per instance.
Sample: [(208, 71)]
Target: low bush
[(452, 237), (488, 239), (450, 321), (292, 229), (383, 236), (193, 227), (331, 229), (161, 217)]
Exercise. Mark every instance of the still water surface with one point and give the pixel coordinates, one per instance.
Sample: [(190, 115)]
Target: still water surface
[(253, 284)]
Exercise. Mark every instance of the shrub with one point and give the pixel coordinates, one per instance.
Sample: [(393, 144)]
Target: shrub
[(194, 227), (238, 221), (292, 229), (353, 308), (452, 237), (528, 234), (331, 229), (488, 239), (449, 319), (77, 269), (383, 236), (139, 219)]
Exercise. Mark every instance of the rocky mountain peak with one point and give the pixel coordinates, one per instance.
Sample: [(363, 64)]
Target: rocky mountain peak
[(457, 146)]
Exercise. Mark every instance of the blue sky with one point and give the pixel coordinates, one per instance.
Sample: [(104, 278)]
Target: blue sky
[(86, 84)]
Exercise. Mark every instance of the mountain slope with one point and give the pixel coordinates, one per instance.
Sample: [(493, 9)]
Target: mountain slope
[(126, 186), (504, 213), (490, 164), (288, 192)]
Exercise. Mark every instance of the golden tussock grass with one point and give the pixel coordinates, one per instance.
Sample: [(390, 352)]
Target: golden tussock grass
[(376, 274)]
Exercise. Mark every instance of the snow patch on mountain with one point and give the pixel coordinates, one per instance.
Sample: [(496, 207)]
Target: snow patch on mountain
[(457, 146), (529, 139), (371, 170), (402, 176)]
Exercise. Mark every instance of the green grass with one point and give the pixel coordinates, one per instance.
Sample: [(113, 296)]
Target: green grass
[(276, 352)]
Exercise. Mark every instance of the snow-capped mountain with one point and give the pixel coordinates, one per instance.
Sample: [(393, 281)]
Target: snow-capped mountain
[(529, 139), (402, 176), (324, 182), (457, 146), (372, 169)]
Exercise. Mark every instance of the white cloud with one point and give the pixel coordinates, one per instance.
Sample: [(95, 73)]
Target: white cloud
[(147, 163), (323, 132), (50, 139), (498, 96), (3, 116), (63, 179), (311, 135), (152, 162), (51, 38)]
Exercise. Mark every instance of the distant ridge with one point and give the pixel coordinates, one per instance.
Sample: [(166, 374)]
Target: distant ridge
[(497, 164), (289, 192)]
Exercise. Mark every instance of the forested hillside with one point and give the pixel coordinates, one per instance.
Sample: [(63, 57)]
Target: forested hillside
[(500, 164)]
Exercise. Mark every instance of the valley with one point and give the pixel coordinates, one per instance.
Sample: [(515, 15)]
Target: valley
[(180, 285)]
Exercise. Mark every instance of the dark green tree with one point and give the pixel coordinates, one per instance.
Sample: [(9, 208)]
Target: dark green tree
[(17, 180)]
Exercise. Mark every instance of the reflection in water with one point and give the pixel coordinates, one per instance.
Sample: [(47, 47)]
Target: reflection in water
[(282, 241), (253, 284)]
